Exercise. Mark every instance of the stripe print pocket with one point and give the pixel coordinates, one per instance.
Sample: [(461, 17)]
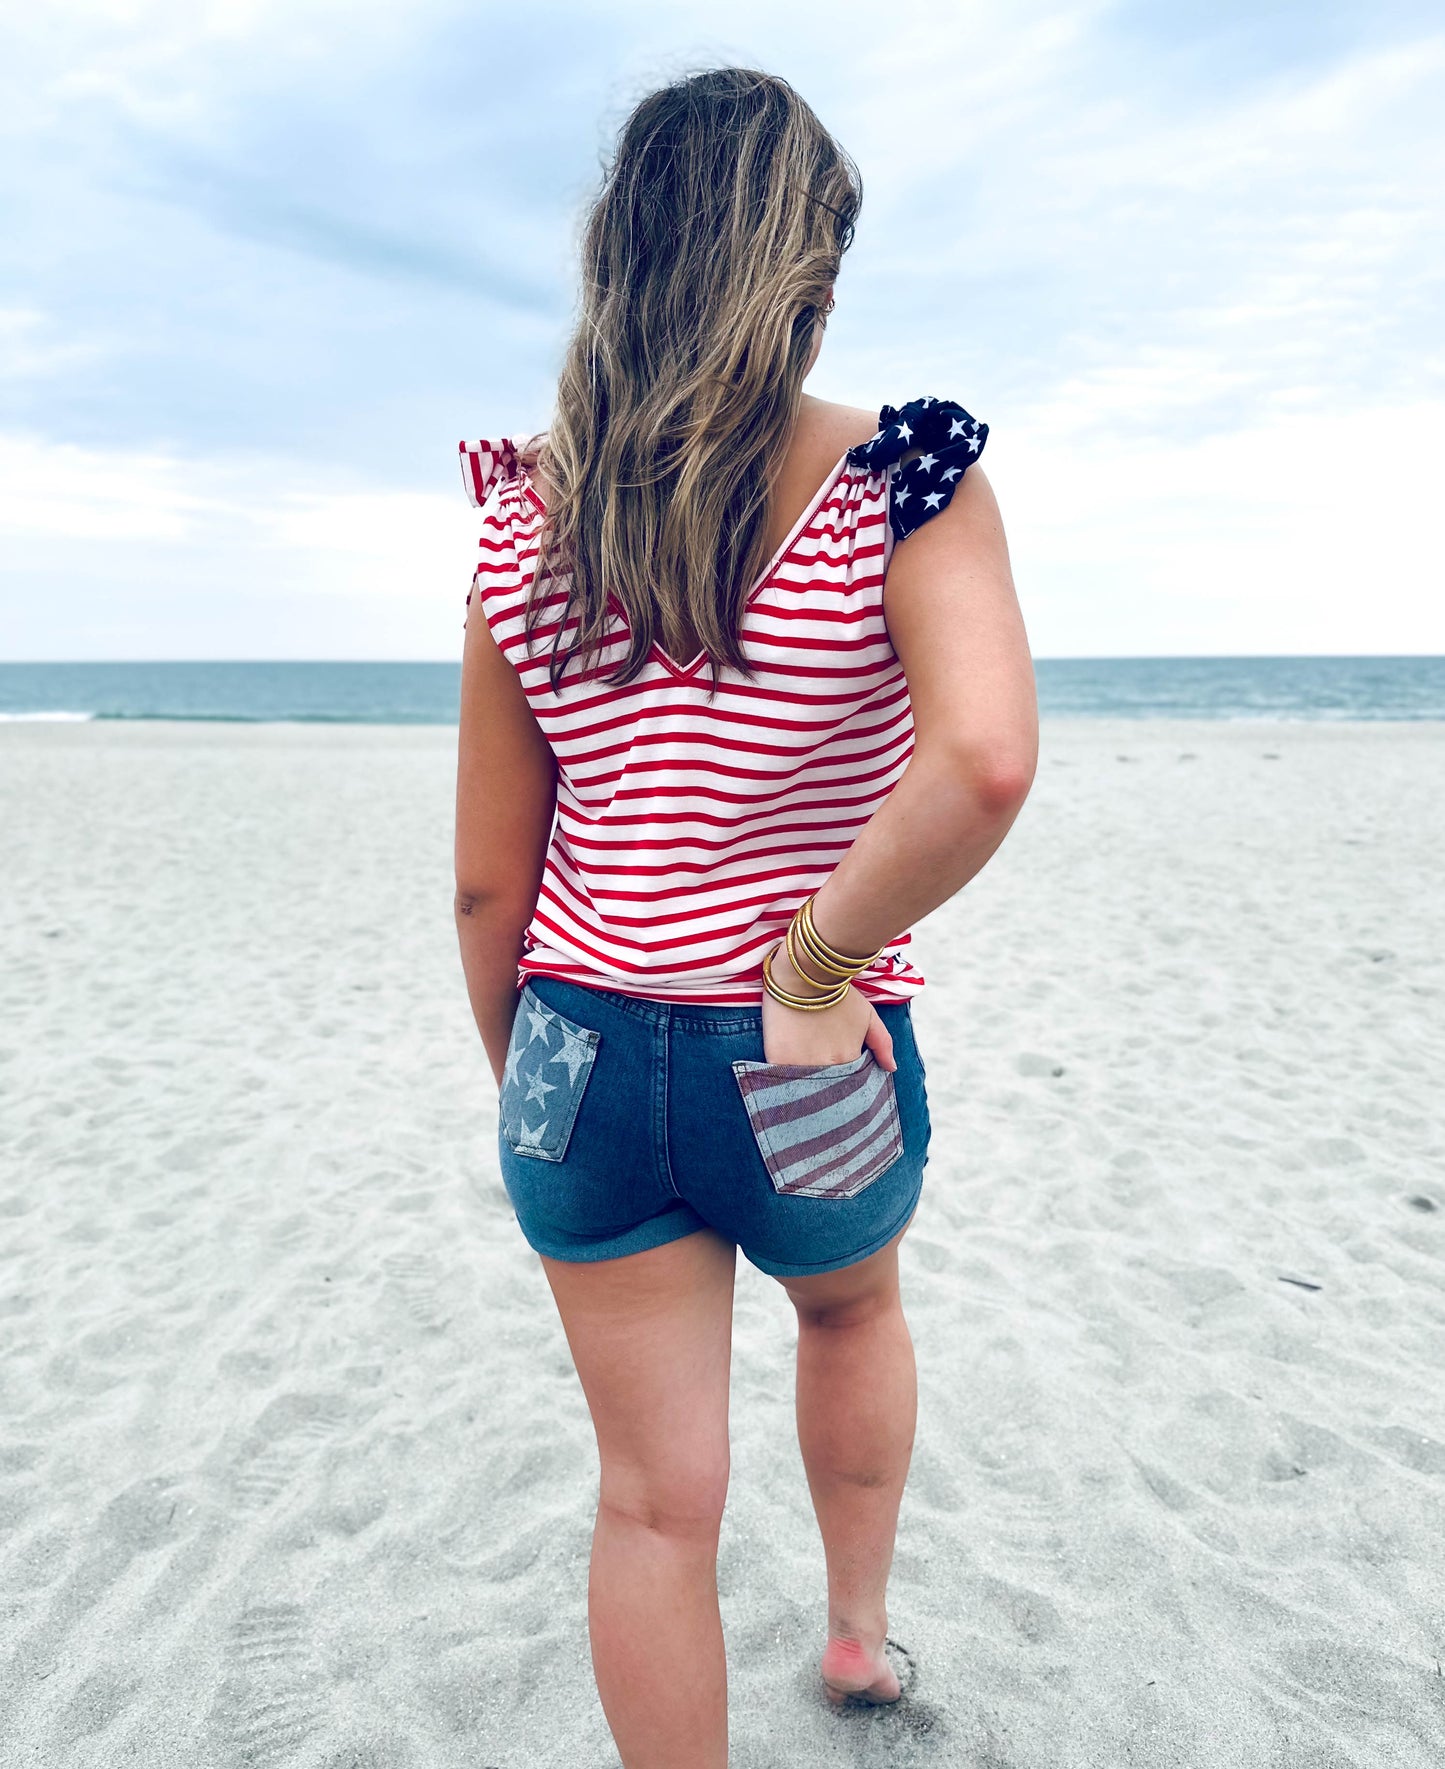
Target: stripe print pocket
[(549, 1061), (822, 1132)]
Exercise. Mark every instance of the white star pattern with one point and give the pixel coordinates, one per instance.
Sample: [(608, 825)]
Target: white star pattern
[(514, 1056), (531, 1138), (523, 1084), (538, 1089), (574, 1053), (949, 436)]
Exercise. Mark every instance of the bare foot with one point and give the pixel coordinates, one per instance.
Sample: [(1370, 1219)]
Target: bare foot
[(851, 1673)]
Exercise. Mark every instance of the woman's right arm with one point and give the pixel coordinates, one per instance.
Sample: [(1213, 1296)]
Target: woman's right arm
[(955, 623)]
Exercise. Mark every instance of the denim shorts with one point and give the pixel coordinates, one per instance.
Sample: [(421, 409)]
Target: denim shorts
[(626, 1122)]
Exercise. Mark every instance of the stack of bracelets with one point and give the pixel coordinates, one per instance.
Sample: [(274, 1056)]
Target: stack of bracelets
[(803, 940)]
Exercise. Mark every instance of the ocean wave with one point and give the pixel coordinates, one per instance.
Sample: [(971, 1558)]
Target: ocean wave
[(55, 718)]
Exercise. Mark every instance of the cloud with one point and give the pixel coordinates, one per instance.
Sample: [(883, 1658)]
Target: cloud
[(1284, 227), (28, 348), (97, 543), (270, 260), (255, 208), (1290, 536)]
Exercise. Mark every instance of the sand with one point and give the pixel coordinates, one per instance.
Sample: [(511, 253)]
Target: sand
[(294, 1467)]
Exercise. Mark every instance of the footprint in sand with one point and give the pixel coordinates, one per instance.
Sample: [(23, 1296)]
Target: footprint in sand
[(416, 1280), (99, 1699), (283, 1439), (269, 1703)]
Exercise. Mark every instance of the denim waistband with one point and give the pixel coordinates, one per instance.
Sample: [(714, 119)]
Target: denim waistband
[(703, 1016)]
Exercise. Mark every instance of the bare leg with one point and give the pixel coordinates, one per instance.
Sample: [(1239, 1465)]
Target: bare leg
[(651, 1336), (857, 1402)]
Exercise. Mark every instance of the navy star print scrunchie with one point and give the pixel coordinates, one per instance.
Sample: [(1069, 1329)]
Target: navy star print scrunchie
[(951, 439)]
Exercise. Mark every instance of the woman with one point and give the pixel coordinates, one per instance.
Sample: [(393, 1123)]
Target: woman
[(694, 986)]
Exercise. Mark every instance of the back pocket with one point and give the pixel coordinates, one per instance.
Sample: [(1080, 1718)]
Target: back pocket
[(549, 1061), (822, 1132)]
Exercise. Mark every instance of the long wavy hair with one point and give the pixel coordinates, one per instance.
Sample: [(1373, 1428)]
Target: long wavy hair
[(707, 258)]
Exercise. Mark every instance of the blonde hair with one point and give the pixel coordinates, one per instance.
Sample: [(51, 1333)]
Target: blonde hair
[(707, 258)]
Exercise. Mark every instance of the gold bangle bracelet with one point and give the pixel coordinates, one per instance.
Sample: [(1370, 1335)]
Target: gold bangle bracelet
[(821, 946), (798, 943), (831, 979), (798, 931), (809, 1004), (789, 999), (825, 957)]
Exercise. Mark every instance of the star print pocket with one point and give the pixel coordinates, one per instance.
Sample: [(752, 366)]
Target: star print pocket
[(549, 1061), (822, 1132)]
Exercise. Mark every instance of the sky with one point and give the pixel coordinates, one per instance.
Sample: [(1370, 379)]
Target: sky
[(262, 265)]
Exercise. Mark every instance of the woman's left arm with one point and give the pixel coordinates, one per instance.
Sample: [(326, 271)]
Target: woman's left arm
[(506, 797)]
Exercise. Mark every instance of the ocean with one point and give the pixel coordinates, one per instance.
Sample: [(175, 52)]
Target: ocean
[(1278, 688)]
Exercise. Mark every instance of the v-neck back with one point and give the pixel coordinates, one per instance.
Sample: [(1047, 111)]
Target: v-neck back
[(800, 528)]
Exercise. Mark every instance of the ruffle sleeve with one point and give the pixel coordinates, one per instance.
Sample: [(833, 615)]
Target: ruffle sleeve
[(951, 439), (486, 464)]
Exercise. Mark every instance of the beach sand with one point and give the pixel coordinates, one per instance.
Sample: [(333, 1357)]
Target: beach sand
[(294, 1466)]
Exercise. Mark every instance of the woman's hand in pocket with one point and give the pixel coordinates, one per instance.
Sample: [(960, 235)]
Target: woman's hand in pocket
[(821, 1036)]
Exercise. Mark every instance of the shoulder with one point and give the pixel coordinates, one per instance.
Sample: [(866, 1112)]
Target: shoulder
[(836, 428)]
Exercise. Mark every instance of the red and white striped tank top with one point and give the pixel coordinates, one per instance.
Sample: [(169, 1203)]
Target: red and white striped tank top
[(687, 831)]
